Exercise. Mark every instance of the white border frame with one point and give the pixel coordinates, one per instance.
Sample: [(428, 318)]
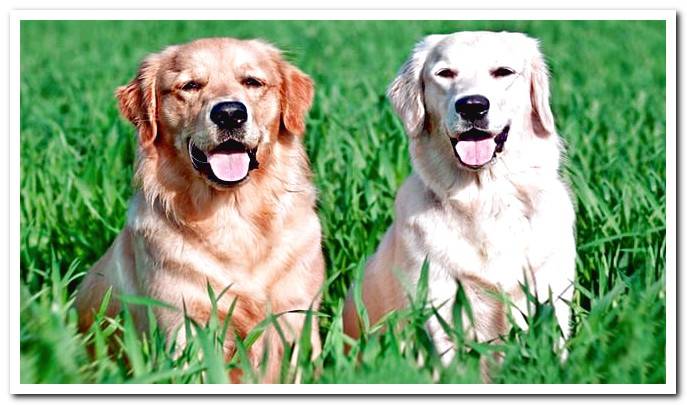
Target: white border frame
[(669, 16)]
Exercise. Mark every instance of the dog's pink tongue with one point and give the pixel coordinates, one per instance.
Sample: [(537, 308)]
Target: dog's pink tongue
[(476, 153), (229, 166)]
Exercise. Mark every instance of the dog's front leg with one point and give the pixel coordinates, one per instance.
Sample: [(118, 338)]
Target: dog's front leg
[(552, 258), (270, 347), (483, 320)]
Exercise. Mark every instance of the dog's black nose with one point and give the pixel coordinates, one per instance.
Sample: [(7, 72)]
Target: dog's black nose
[(473, 107), (229, 115)]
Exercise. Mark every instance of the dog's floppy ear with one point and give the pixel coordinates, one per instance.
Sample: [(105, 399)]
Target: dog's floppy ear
[(138, 100), (406, 91), (542, 117), (296, 95)]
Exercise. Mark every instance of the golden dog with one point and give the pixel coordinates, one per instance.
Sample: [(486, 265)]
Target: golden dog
[(225, 194)]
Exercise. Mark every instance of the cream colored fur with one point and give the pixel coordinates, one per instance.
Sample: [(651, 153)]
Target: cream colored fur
[(488, 228)]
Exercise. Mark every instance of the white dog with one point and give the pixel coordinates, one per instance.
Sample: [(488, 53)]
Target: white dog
[(485, 204)]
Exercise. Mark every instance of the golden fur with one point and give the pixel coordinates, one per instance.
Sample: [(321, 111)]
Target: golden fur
[(261, 237)]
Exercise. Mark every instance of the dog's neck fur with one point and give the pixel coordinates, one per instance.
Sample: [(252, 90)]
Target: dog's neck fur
[(187, 202), (522, 166)]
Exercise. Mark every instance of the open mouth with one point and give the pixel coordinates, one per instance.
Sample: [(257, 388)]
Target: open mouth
[(475, 148), (226, 165)]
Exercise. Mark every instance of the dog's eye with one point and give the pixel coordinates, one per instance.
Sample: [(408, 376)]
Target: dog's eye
[(447, 73), (251, 82), (191, 85), (502, 72)]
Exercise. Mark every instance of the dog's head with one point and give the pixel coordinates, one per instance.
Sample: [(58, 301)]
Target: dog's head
[(215, 107), (476, 93)]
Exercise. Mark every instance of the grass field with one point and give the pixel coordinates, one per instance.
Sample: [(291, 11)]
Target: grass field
[(608, 89)]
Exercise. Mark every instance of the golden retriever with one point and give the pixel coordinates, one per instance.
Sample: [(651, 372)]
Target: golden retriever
[(225, 196), (485, 204)]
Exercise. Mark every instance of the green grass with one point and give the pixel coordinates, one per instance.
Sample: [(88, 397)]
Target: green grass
[(608, 88)]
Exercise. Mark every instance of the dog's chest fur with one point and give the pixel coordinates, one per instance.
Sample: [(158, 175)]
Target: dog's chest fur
[(484, 231), (234, 251)]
